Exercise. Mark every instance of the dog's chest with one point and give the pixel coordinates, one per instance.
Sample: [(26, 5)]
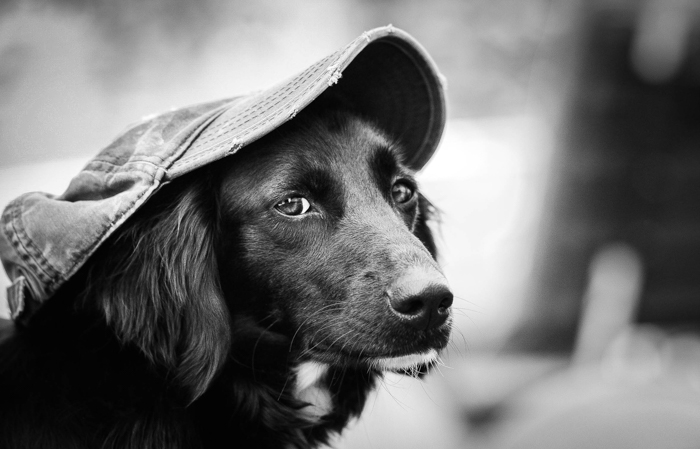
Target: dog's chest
[(310, 387)]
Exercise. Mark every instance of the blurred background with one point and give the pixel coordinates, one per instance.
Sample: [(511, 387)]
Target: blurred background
[(568, 179)]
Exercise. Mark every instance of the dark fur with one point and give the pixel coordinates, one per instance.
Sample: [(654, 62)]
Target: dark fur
[(184, 328)]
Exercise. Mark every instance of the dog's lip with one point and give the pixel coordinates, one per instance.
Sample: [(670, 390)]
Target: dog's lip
[(396, 361), (404, 362)]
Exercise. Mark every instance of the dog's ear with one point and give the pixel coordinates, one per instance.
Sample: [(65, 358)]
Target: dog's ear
[(157, 285), (427, 212)]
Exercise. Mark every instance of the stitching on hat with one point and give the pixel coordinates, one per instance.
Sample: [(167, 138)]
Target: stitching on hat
[(30, 252), (133, 164), (290, 87), (270, 102), (207, 151), (107, 161), (265, 105), (80, 258), (24, 246), (53, 282)]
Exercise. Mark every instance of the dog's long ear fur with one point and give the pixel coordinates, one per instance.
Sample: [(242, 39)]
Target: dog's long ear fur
[(157, 285)]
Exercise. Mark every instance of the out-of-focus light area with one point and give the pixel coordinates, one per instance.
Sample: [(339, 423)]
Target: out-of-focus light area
[(568, 180)]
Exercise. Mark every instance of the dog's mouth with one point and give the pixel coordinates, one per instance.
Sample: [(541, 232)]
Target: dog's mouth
[(377, 346), (411, 364), (380, 351)]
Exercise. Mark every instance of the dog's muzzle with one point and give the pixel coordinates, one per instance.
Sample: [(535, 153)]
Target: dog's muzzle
[(421, 298)]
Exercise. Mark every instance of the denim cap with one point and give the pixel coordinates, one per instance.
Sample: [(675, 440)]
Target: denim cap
[(45, 239)]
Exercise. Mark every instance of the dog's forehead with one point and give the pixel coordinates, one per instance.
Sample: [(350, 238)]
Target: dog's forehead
[(349, 147), (350, 151)]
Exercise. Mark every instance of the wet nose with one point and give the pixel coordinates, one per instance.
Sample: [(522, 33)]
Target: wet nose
[(422, 299)]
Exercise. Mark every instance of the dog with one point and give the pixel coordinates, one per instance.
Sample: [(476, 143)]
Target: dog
[(252, 303)]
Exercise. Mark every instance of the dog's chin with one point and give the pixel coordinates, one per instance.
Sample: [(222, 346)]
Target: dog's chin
[(411, 364)]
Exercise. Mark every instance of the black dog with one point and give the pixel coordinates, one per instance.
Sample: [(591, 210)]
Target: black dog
[(252, 303)]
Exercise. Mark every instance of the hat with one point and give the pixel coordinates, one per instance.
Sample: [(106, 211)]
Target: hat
[(45, 239)]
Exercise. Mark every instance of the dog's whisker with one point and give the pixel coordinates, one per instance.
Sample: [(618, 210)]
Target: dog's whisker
[(458, 348), (384, 383), (316, 313), (342, 336), (437, 364), (257, 341), (440, 362), (466, 311), (284, 386), (329, 325), (461, 298)]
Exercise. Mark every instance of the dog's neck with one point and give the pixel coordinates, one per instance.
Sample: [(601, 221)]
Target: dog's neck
[(311, 388)]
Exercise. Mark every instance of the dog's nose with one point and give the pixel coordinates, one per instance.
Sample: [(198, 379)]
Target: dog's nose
[(421, 299)]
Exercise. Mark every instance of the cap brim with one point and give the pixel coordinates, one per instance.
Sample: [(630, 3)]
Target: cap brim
[(386, 74)]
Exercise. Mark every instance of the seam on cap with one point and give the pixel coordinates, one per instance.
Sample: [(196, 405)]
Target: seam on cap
[(34, 257), (80, 257), (263, 109), (25, 247), (265, 106), (155, 184), (246, 131), (110, 225), (133, 164), (138, 159), (270, 109)]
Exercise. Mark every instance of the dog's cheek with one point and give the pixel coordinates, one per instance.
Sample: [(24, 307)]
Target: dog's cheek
[(339, 292), (313, 291), (286, 263)]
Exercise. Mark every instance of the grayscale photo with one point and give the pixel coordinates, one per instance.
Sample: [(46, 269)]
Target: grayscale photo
[(350, 224)]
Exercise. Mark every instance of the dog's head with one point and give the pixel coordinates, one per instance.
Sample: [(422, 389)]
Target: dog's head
[(325, 237), (315, 235)]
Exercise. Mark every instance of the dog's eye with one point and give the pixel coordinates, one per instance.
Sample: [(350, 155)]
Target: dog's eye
[(295, 205), (401, 192)]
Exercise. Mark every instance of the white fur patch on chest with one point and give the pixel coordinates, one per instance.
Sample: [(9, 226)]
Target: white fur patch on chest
[(309, 387)]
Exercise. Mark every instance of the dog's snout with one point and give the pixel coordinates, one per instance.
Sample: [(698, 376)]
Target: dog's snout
[(421, 299)]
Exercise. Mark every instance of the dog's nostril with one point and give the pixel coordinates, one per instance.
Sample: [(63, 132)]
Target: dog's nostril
[(409, 306), (446, 303), (425, 310)]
